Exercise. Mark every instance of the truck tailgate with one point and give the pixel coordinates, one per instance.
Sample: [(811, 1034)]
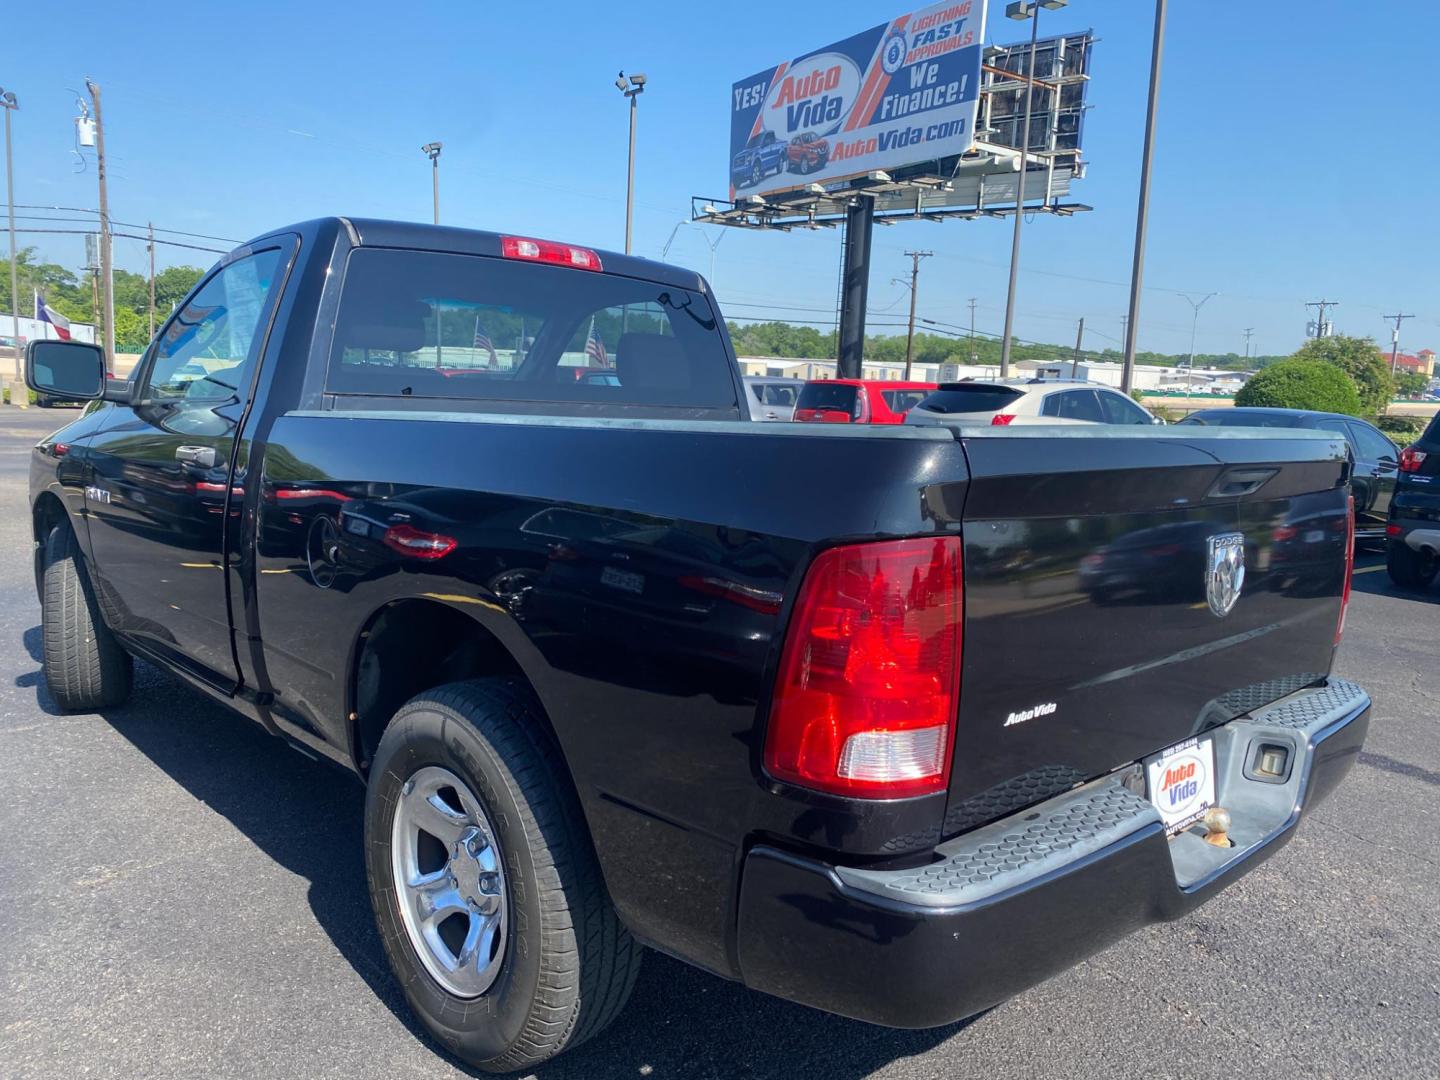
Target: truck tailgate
[(1092, 636)]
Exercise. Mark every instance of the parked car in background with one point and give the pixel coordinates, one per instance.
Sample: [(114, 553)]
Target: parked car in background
[(772, 399), (1003, 401), (858, 401), (763, 155), (1377, 459), (1412, 548), (807, 152)]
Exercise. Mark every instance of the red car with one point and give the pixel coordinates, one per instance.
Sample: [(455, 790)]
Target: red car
[(806, 153), (858, 401)]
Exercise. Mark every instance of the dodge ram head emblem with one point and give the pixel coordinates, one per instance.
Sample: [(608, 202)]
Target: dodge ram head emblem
[(1225, 572)]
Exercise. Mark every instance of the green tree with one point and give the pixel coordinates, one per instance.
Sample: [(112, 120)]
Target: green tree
[(1361, 360), (1411, 383), (171, 286), (1302, 384)]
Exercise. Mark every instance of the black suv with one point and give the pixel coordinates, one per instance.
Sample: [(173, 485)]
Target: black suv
[(1412, 553), (1377, 459)]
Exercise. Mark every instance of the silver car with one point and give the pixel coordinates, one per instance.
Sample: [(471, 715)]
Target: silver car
[(771, 398), (1028, 401)]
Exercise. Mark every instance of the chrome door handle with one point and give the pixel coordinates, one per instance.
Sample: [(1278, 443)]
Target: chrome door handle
[(204, 456)]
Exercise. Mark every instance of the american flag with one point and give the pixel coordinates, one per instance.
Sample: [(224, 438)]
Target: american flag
[(595, 347), (482, 341)]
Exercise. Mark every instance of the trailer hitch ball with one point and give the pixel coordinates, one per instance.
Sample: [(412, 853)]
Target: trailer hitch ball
[(1217, 826)]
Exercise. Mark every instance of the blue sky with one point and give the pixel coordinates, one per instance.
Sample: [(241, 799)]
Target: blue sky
[(1296, 156)]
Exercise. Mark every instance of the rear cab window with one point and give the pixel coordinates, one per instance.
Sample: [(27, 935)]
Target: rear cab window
[(469, 328)]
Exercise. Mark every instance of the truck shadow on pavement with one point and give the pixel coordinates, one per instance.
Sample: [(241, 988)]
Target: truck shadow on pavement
[(307, 817)]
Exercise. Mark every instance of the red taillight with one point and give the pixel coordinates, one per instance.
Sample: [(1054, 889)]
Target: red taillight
[(870, 674), (1281, 533), (1411, 459), (548, 251), (1349, 569), (1394, 530), (60, 449), (1000, 419), (409, 540)]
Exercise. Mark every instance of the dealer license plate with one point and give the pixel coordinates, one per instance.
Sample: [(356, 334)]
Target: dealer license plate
[(1181, 782)]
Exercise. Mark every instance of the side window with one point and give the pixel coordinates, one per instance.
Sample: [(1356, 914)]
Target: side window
[(1080, 405), (1119, 409), (207, 352), (1051, 405), (903, 400), (1338, 427), (1373, 445), (780, 395)]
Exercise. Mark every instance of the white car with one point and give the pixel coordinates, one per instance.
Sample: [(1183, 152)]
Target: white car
[(1028, 401)]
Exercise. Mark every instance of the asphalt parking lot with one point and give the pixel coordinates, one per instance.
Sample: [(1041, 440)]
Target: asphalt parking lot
[(181, 895)]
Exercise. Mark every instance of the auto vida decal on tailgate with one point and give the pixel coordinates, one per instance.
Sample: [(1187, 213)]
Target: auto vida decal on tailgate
[(897, 94)]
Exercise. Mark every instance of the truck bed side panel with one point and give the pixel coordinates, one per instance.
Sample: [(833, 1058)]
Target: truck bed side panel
[(638, 573)]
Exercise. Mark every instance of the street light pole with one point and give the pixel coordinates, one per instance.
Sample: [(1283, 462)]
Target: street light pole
[(432, 151), (10, 104), (632, 88), (1142, 216), (1019, 10)]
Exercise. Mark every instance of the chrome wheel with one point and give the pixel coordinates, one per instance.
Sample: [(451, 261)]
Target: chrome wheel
[(449, 881)]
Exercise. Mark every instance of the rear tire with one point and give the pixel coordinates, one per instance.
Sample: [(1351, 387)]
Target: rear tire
[(566, 964), (85, 667), (1408, 568)]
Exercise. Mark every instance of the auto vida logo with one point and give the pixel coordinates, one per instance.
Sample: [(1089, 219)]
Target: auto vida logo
[(1181, 783), (1225, 572), (1031, 713)]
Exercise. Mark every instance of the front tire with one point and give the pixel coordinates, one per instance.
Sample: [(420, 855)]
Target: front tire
[(1408, 568), (536, 960), (85, 667)]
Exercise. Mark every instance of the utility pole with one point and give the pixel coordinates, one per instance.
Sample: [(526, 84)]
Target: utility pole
[(432, 151), (1194, 325), (974, 356), (1395, 341), (1142, 215), (10, 104), (915, 257), (1249, 333), (1079, 339), (107, 278), (1320, 322), (152, 281)]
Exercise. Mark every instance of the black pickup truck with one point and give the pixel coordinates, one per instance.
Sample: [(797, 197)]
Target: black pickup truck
[(894, 722)]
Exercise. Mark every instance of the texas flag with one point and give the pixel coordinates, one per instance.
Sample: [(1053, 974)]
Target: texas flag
[(46, 314)]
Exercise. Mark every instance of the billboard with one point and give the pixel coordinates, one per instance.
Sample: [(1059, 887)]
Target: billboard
[(901, 93)]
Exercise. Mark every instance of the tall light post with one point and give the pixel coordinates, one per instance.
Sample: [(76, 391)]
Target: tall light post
[(1142, 215), (632, 88), (432, 151), (10, 104), (1021, 10)]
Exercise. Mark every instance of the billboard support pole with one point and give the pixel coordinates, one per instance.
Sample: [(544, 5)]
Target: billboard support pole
[(854, 294)]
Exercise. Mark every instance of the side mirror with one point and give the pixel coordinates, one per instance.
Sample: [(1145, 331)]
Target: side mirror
[(69, 370)]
